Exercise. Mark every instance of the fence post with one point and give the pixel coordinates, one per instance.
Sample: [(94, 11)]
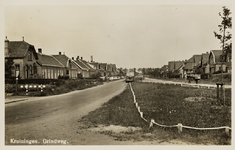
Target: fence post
[(151, 123), (141, 114), (227, 131), (179, 127)]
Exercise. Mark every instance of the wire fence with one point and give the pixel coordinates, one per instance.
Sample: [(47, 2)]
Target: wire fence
[(179, 125)]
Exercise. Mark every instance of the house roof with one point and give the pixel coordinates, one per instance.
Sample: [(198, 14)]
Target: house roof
[(103, 66), (205, 58), (47, 60), (87, 64), (62, 59), (216, 55), (164, 67), (19, 49), (81, 65)]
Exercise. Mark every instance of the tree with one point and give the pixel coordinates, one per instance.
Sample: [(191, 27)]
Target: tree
[(8, 66), (225, 36)]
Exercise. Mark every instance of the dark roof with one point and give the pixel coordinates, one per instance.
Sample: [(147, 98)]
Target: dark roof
[(189, 66), (80, 64), (47, 60), (19, 49), (62, 59), (95, 64), (205, 58), (216, 55), (197, 59), (87, 64), (103, 66)]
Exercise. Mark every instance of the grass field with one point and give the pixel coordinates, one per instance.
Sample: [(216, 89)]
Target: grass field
[(168, 105)]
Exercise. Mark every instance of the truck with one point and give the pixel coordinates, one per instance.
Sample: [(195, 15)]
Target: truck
[(129, 76)]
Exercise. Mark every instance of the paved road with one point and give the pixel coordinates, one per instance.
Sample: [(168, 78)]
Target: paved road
[(55, 117), (184, 83)]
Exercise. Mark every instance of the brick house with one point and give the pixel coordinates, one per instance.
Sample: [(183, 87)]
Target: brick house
[(49, 67), (83, 69), (173, 65), (215, 61), (71, 70), (24, 58), (192, 63), (205, 63)]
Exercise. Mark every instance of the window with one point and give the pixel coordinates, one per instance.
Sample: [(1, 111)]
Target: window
[(30, 56), (17, 69), (31, 70), (26, 71), (35, 68)]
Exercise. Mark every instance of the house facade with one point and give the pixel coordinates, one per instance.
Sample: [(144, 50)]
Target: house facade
[(71, 69), (24, 58), (49, 67), (215, 63)]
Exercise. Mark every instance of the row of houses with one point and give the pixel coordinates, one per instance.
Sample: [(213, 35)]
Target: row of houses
[(205, 63), (34, 64)]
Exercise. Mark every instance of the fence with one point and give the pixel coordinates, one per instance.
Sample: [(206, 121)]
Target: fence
[(179, 125)]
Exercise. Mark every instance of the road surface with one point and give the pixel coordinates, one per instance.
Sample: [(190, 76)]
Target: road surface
[(47, 119)]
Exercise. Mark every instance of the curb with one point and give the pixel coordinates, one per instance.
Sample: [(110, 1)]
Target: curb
[(16, 100)]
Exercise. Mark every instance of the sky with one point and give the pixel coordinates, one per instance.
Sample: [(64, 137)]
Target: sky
[(130, 36)]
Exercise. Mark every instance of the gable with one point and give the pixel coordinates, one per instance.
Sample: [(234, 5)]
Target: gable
[(19, 49)]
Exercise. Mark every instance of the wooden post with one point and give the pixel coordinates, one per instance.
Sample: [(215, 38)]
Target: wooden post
[(179, 127), (151, 123), (227, 131), (217, 92)]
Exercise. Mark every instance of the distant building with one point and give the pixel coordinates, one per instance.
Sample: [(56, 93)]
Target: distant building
[(173, 65), (192, 63)]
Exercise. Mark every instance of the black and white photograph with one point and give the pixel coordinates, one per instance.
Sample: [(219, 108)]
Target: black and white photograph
[(132, 74)]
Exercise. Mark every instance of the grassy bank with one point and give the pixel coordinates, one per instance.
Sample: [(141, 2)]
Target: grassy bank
[(168, 105), (227, 79)]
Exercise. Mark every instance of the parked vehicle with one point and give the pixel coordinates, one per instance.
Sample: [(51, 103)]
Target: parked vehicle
[(193, 76), (129, 76)]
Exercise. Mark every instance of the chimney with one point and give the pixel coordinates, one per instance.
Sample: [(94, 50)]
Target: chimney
[(59, 53), (40, 51), (7, 50), (91, 58), (63, 53), (23, 38), (72, 58), (77, 57), (81, 58)]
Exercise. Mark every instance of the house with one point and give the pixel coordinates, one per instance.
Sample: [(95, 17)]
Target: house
[(215, 62), (49, 67), (103, 66), (97, 68), (192, 64), (164, 70), (173, 65), (24, 58), (92, 72), (205, 63), (71, 70), (83, 69), (180, 70)]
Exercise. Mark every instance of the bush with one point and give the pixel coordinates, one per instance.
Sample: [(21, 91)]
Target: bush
[(205, 76)]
